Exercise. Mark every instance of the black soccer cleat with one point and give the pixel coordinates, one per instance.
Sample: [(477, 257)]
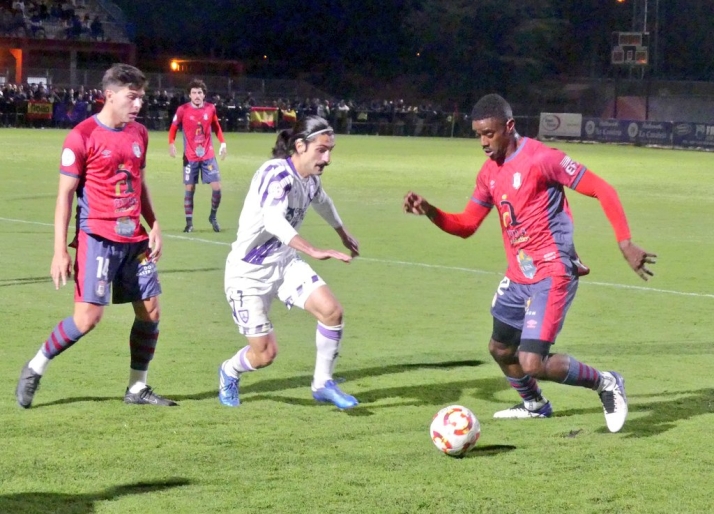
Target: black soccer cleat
[(214, 224), (26, 386), (188, 227), (147, 397)]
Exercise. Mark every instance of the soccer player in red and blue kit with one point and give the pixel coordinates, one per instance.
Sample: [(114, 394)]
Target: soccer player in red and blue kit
[(524, 180), (197, 119), (103, 161)]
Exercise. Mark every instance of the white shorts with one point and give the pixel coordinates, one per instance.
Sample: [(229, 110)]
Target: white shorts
[(292, 281)]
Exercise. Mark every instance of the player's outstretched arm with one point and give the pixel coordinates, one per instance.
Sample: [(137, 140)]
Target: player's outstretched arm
[(462, 224), (638, 258), (592, 185), (61, 267), (301, 245)]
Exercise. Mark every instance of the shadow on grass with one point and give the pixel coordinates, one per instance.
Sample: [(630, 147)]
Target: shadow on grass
[(489, 450), (58, 503), (435, 394), (439, 392), (659, 416)]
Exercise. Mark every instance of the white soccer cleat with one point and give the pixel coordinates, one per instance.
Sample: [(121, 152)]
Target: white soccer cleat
[(532, 409), (614, 400)]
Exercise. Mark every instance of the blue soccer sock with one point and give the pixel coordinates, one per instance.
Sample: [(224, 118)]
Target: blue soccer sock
[(527, 388), (188, 206), (215, 202), (64, 335), (580, 374), (142, 344)]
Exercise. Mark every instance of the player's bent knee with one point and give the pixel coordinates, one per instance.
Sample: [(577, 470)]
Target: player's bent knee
[(325, 307), (503, 353), (87, 319), (532, 355), (265, 357)]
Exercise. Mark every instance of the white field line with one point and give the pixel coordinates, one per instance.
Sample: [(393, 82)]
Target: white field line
[(420, 264)]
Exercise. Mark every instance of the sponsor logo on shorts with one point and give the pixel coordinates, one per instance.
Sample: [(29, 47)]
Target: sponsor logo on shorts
[(531, 323), (146, 266)]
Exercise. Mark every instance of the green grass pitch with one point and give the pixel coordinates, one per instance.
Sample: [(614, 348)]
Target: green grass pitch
[(417, 326)]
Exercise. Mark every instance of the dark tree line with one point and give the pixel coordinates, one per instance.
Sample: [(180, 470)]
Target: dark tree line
[(439, 47)]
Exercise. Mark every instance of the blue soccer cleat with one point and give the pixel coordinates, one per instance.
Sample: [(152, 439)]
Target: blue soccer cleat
[(330, 393), (227, 389)]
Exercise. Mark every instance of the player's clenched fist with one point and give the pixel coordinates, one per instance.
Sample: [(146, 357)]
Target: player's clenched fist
[(415, 204)]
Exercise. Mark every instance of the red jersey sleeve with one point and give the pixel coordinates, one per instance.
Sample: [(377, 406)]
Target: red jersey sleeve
[(557, 167), (465, 223), (482, 191), (145, 139), (74, 155), (594, 186), (216, 126), (175, 123)]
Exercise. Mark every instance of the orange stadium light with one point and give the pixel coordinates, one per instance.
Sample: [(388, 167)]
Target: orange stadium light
[(174, 65)]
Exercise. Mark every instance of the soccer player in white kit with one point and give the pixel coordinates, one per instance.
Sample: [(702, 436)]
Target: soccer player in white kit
[(264, 263)]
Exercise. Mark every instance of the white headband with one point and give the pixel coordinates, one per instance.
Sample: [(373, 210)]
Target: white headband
[(323, 131)]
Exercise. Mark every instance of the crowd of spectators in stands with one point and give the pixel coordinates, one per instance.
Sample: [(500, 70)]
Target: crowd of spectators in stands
[(383, 117), (57, 19)]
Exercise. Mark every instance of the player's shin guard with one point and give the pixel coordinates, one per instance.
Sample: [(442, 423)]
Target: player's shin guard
[(327, 340), (142, 344)]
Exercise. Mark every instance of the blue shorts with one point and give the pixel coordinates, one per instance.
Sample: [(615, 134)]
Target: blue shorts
[(101, 264), (538, 310), (208, 169)]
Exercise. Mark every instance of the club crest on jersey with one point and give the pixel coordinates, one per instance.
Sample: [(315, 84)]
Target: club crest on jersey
[(205, 117), (516, 180), (136, 149), (101, 288)]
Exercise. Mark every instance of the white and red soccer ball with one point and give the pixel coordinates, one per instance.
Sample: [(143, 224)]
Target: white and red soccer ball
[(455, 430)]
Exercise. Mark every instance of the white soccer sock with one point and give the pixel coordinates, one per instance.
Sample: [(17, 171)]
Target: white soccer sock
[(137, 380), (39, 363), (327, 340), (238, 364)]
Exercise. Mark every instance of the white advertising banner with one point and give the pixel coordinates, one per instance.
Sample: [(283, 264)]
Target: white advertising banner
[(560, 124)]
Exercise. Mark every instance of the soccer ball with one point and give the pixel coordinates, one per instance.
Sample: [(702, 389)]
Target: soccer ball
[(455, 430)]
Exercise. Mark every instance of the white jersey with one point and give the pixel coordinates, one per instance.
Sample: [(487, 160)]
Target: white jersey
[(272, 214)]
